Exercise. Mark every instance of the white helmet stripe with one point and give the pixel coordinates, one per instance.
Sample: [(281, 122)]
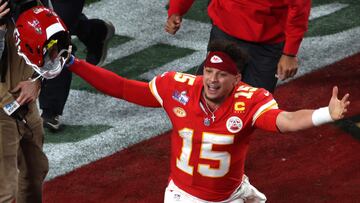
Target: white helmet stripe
[(54, 28)]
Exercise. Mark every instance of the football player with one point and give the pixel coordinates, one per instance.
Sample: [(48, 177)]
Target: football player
[(213, 117)]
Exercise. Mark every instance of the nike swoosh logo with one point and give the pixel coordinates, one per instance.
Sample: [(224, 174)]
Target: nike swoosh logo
[(56, 126)]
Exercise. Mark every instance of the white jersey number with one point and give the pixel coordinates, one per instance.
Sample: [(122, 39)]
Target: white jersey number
[(206, 152)]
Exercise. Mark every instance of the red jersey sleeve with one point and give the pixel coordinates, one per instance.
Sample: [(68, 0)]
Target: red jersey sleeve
[(296, 24), (114, 85), (266, 111), (179, 7), (267, 121), (160, 86)]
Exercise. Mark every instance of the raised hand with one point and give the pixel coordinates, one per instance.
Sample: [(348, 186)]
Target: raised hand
[(4, 10), (337, 107)]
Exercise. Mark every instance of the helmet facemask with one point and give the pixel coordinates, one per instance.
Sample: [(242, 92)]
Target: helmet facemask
[(55, 54)]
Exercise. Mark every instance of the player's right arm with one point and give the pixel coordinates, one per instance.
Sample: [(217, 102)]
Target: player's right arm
[(114, 85)]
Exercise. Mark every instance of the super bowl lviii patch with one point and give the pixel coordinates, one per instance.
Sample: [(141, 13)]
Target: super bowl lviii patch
[(180, 97)]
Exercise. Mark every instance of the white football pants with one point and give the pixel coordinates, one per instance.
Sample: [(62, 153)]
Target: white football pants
[(245, 193)]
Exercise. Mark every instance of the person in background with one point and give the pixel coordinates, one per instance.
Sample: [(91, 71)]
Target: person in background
[(269, 31), (95, 34), (23, 164)]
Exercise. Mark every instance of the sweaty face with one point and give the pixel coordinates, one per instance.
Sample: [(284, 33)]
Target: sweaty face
[(218, 84)]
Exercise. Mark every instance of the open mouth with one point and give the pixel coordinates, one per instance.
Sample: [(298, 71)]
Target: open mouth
[(213, 88)]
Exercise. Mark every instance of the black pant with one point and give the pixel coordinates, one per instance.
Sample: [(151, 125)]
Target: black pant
[(262, 64), (54, 92), (69, 11)]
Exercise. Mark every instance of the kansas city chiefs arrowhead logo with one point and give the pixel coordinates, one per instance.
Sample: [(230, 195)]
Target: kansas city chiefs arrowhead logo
[(216, 59)]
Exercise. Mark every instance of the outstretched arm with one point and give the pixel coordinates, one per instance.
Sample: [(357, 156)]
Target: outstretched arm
[(303, 119), (114, 85)]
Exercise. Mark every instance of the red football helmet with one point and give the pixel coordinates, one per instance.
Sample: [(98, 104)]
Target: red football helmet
[(42, 40)]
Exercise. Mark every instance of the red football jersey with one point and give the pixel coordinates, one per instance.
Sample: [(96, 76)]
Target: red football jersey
[(208, 154)]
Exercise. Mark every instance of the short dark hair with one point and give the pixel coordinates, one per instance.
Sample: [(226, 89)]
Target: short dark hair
[(236, 53)]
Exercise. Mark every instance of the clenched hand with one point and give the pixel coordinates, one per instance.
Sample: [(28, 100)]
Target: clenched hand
[(173, 24), (287, 67)]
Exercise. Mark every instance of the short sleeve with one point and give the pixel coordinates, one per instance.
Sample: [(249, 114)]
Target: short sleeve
[(266, 111)]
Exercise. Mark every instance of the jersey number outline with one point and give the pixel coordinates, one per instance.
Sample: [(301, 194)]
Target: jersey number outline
[(183, 77), (206, 152), (245, 91)]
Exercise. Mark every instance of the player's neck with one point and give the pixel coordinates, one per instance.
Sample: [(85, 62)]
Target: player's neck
[(212, 105)]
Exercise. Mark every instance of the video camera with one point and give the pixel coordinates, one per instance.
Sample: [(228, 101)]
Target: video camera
[(16, 8)]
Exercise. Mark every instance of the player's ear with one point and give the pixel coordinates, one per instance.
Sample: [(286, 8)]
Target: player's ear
[(237, 78)]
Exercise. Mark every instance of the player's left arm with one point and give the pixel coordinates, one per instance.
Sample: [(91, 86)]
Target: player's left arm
[(306, 118)]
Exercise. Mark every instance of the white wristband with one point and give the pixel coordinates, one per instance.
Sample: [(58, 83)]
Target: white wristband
[(321, 116)]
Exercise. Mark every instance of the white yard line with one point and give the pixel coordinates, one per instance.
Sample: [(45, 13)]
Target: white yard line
[(327, 9), (180, 65), (131, 124)]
